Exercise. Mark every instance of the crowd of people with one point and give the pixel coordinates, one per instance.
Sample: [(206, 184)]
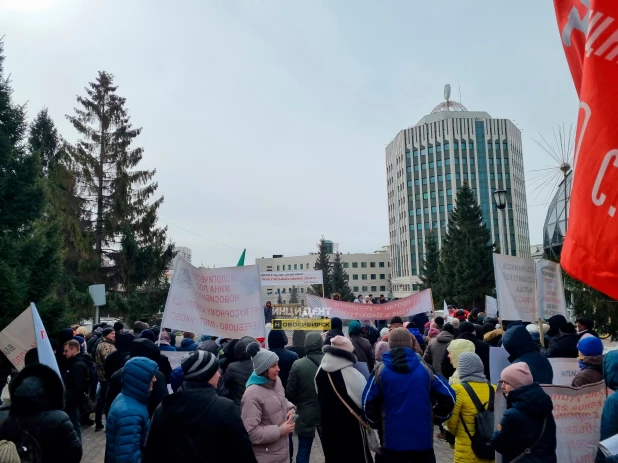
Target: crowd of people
[(374, 393)]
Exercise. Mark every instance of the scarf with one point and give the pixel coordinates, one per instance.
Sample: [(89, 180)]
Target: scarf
[(257, 379), (474, 378)]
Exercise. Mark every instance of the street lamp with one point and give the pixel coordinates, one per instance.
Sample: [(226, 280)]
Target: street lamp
[(500, 199)]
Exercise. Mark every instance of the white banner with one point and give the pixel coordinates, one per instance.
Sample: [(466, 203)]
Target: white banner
[(291, 278), (515, 287), (225, 302), (550, 292), (565, 370), (24, 333), (491, 307), (498, 361), (174, 357)]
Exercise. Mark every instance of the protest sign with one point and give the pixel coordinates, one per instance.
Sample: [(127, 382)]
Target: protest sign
[(491, 307), (174, 357), (291, 278), (416, 303), (24, 333), (223, 302), (498, 361), (515, 285), (549, 290), (565, 370)]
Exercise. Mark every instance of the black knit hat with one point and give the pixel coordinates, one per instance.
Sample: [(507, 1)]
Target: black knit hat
[(108, 331), (199, 366)]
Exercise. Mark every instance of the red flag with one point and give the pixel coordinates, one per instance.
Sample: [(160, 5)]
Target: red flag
[(589, 34)]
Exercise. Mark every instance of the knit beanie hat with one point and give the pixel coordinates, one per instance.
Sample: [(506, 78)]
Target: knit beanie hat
[(399, 337), (568, 328), (343, 343), (466, 327), (148, 334), (383, 332), (108, 331), (354, 327), (262, 359), (590, 346), (517, 375), (8, 452), (199, 366), (433, 332), (396, 319), (470, 367)]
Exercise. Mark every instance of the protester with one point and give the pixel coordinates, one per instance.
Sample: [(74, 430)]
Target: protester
[(227, 354), (397, 322), (521, 348), (336, 329), (370, 332), (301, 391), (467, 331), (209, 345), (78, 382), (474, 383), (63, 337), (336, 297), (268, 312), (398, 400), (527, 431), (104, 349), (453, 351), (414, 331), (609, 418), (148, 334), (37, 401), (492, 335), (266, 413), (188, 342), (238, 372), (590, 361), (8, 452), (555, 322), (195, 424), (116, 360), (128, 419), (455, 323), (362, 347), (564, 345), (165, 341), (277, 340), (535, 333), (420, 320), (93, 338), (138, 327), (298, 343), (359, 299), (6, 370), (436, 349), (368, 300), (118, 328), (585, 325), (432, 334)]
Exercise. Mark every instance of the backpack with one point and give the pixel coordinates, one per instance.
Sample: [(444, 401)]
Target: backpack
[(482, 445)]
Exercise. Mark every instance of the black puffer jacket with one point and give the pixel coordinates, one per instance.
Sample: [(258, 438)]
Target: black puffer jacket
[(562, 346), (238, 372), (37, 401)]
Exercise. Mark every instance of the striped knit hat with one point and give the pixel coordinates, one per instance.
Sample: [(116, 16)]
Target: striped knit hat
[(199, 366), (8, 452)]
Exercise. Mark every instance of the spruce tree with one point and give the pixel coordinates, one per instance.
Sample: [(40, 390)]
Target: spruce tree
[(294, 295), (279, 298), (429, 271), (465, 270), (45, 141), (322, 263), (340, 280)]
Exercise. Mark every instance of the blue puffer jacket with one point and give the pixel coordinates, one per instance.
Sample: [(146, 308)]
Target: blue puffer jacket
[(521, 348), (128, 421), (187, 345), (419, 337), (609, 419), (399, 396)]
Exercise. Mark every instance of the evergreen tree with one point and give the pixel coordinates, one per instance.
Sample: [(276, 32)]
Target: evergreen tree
[(429, 271), (340, 280), (45, 141), (323, 263), (294, 295), (465, 270), (279, 299)]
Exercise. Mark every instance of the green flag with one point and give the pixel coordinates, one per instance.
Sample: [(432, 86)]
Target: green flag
[(241, 261)]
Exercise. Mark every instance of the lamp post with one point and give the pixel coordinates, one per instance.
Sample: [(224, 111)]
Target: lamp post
[(500, 199)]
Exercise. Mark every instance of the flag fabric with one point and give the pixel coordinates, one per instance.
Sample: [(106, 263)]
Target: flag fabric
[(43, 346), (241, 261), (589, 34)]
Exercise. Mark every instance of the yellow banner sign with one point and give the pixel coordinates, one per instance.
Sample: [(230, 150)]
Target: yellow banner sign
[(309, 324)]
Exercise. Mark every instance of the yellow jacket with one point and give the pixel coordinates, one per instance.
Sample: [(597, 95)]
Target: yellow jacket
[(465, 410)]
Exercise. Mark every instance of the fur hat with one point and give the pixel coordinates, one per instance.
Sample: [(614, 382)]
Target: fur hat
[(399, 337)]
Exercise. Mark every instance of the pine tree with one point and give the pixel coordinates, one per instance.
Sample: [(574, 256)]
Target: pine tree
[(340, 280), (294, 295), (279, 298), (323, 263), (465, 270), (429, 271), (45, 141)]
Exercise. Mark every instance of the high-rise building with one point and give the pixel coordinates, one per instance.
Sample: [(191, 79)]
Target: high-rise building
[(427, 164), (182, 251)]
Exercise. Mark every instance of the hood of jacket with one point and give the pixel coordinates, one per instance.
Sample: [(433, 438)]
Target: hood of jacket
[(142, 347), (401, 360), (136, 378), (517, 342), (187, 342), (35, 389), (277, 339), (240, 348), (65, 335), (313, 343), (555, 323), (610, 369), (336, 359), (444, 337), (595, 362), (298, 338), (531, 400), (124, 341), (458, 347)]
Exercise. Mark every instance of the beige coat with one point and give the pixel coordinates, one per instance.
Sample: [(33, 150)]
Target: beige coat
[(264, 409)]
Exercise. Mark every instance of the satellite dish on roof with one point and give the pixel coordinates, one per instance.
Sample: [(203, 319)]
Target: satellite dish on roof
[(447, 92)]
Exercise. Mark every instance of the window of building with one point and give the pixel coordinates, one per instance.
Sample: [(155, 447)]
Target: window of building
[(505, 145), (511, 222), (433, 194), (417, 182), (427, 225), (414, 287), (449, 192), (497, 145), (418, 197), (432, 165), (423, 151), (472, 176), (419, 241), (382, 288), (425, 195), (408, 154), (457, 176), (431, 150), (432, 180), (440, 178), (363, 264), (355, 289), (491, 176), (470, 145), (464, 160), (450, 207), (434, 225), (381, 264), (512, 237), (301, 266), (415, 168), (374, 288), (443, 223), (456, 161), (354, 264), (419, 226), (507, 176), (471, 161), (409, 169), (446, 146), (290, 267), (302, 290), (463, 145), (413, 270), (456, 144), (447, 162), (442, 208), (465, 176), (277, 268), (419, 211), (438, 148), (439, 163), (409, 183), (355, 276), (283, 291), (499, 176), (491, 161), (346, 265), (382, 276), (425, 181), (490, 146), (496, 222), (424, 166), (434, 209), (426, 210), (441, 193), (364, 276), (365, 289), (415, 153), (373, 277), (448, 177), (498, 161), (413, 257)]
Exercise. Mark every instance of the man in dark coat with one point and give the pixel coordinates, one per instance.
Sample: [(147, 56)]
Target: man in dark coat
[(78, 381), (362, 347), (195, 424), (277, 340), (116, 360), (237, 373), (522, 348), (336, 329), (564, 345), (555, 323), (585, 325), (467, 331)]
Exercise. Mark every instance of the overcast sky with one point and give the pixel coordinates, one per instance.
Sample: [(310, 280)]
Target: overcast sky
[(267, 120)]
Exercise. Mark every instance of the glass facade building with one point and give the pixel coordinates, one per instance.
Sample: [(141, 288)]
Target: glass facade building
[(555, 226)]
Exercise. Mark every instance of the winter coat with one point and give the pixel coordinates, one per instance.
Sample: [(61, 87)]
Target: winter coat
[(116, 360), (104, 348), (276, 343), (264, 409), (379, 349), (609, 419), (91, 344), (187, 345), (416, 347), (343, 437), (37, 401), (481, 348), (592, 372), (465, 411), (398, 399), (128, 420), (331, 334), (420, 320), (521, 348), (206, 428), (371, 334), (521, 426), (494, 338), (236, 376), (78, 380), (434, 353), (268, 314), (562, 346), (419, 337), (298, 350), (167, 347), (363, 350)]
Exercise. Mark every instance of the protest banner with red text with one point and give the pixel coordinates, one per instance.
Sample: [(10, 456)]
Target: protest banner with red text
[(416, 303), (314, 277), (515, 288), (549, 289), (225, 302)]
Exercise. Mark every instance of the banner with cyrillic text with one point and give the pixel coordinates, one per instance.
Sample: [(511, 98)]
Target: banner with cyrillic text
[(565, 370), (491, 307), (174, 357), (549, 289), (416, 303), (223, 302), (292, 278), (515, 287)]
